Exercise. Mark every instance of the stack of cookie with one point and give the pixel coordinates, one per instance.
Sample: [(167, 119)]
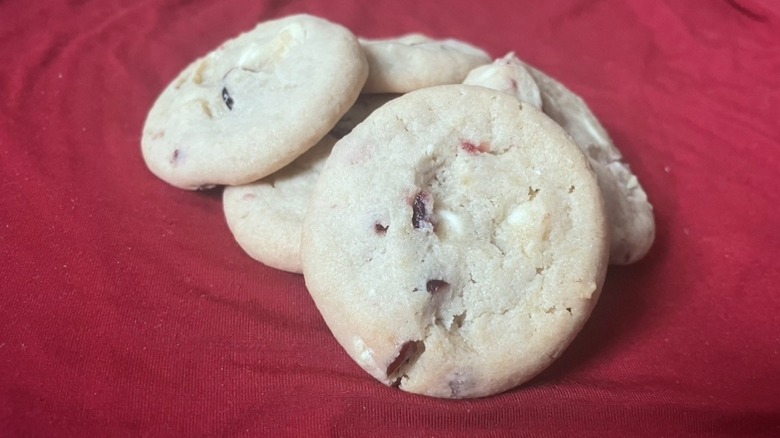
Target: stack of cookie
[(453, 217)]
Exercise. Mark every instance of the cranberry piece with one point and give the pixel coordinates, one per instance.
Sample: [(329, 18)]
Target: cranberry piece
[(408, 350), (422, 207), (227, 99), (473, 148), (435, 286), (379, 228)]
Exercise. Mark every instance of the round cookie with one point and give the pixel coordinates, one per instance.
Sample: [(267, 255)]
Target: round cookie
[(507, 74), (254, 104), (630, 214), (455, 242), (266, 216), (414, 61)]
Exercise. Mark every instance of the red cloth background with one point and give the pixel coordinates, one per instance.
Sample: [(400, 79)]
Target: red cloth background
[(126, 308)]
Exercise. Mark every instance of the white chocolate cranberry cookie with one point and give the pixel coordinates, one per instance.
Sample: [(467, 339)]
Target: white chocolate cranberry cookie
[(629, 213), (414, 61), (507, 74), (455, 242), (266, 216), (254, 104)]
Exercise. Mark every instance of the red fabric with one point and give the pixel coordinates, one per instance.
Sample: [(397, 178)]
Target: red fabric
[(128, 310)]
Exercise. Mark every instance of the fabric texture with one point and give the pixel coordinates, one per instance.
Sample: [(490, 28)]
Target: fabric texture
[(127, 309)]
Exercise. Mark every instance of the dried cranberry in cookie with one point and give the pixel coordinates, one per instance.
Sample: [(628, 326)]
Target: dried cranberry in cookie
[(444, 247), (254, 104), (422, 210)]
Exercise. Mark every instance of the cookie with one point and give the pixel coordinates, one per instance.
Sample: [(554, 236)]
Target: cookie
[(630, 214), (265, 217), (254, 104), (507, 74), (414, 61), (455, 242)]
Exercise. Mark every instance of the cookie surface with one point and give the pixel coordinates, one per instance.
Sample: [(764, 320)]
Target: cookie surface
[(266, 216), (455, 242), (254, 104), (630, 214), (414, 61)]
